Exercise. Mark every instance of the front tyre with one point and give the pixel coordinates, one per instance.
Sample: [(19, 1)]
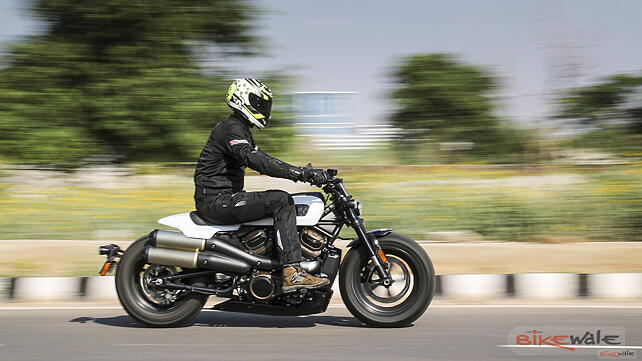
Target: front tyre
[(405, 300), (147, 305)]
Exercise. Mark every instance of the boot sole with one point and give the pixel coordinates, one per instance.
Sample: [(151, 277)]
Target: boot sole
[(290, 289)]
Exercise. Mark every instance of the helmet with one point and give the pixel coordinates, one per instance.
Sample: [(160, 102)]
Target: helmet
[(251, 99)]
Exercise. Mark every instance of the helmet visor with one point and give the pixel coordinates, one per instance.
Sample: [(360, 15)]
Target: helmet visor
[(261, 105)]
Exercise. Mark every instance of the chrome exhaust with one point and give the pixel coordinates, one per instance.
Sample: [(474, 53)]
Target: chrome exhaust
[(195, 259), (176, 240), (172, 257), (171, 242)]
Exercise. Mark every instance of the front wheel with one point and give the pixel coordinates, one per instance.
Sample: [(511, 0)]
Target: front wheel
[(405, 300), (149, 305)]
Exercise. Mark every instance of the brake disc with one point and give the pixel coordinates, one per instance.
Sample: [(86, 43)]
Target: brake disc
[(155, 292)]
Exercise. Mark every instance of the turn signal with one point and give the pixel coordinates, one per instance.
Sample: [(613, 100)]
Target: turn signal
[(105, 269)]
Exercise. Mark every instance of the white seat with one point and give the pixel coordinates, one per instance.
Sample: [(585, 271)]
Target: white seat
[(184, 223)]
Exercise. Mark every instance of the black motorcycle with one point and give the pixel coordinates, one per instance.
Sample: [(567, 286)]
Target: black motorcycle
[(164, 278)]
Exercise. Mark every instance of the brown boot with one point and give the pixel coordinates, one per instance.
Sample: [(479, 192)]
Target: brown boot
[(294, 279)]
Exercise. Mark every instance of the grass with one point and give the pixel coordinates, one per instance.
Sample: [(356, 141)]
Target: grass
[(498, 203), (507, 204)]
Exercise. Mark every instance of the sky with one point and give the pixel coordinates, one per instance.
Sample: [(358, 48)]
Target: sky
[(344, 45)]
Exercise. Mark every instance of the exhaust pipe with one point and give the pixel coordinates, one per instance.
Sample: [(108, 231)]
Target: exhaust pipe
[(171, 241), (195, 259), (177, 241)]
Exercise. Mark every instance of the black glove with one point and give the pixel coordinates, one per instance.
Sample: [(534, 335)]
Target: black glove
[(317, 177)]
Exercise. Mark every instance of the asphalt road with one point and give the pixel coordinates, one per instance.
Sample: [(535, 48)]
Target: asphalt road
[(443, 333)]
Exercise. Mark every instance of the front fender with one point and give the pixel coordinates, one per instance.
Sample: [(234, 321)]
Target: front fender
[(377, 233)]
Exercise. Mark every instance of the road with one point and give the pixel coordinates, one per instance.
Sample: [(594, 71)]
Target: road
[(445, 332)]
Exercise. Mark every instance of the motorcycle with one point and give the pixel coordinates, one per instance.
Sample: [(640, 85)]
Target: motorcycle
[(165, 278)]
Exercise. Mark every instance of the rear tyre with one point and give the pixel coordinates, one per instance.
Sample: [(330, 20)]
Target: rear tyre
[(405, 300), (151, 307)]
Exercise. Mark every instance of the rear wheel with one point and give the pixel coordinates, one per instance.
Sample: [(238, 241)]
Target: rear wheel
[(405, 300), (147, 304)]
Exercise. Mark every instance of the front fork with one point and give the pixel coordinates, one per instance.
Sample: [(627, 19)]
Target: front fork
[(372, 245)]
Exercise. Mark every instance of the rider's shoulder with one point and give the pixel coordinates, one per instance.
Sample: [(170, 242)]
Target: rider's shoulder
[(232, 125)]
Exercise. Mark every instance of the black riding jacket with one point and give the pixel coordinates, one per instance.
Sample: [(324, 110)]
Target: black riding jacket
[(228, 150)]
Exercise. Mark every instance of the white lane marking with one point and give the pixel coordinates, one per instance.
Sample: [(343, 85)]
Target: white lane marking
[(522, 306), (572, 346), (173, 344), (539, 306), (3, 308), (25, 308)]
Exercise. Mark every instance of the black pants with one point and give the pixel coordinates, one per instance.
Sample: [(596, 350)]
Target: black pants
[(251, 206)]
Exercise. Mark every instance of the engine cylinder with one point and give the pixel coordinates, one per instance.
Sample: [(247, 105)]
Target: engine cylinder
[(312, 242)]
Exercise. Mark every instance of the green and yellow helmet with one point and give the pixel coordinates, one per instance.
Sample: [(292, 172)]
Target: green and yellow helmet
[(252, 99)]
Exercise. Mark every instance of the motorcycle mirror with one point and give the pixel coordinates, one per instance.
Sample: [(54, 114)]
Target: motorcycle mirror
[(333, 172)]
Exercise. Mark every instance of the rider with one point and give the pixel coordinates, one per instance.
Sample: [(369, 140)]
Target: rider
[(219, 194)]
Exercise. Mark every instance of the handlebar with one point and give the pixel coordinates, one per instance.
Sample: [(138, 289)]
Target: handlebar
[(333, 173)]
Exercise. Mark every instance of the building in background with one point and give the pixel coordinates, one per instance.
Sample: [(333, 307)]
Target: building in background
[(327, 118)]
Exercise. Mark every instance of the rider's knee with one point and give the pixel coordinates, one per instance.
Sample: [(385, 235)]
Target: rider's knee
[(281, 198)]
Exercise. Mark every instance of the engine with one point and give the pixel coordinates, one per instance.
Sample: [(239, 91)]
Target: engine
[(258, 242), (261, 286), (312, 242), (264, 286)]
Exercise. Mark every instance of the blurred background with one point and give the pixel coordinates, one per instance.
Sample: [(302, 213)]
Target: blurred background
[(496, 120)]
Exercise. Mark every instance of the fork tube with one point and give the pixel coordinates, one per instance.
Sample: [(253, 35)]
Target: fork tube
[(357, 224)]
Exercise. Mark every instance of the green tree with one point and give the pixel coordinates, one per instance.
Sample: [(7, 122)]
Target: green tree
[(615, 100), (441, 100), (611, 110), (119, 77)]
